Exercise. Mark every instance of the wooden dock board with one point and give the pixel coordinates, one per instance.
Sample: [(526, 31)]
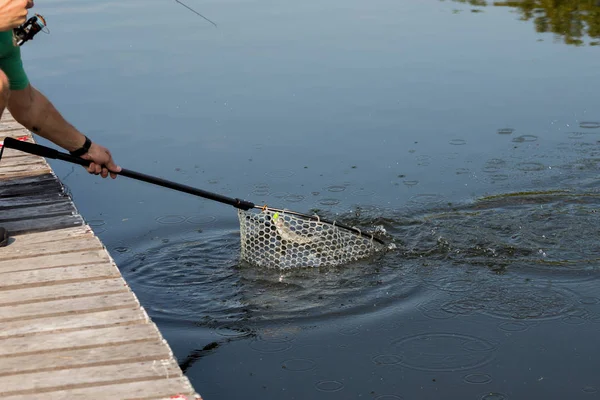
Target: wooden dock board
[(70, 326)]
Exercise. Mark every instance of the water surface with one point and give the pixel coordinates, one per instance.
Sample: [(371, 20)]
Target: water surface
[(469, 131)]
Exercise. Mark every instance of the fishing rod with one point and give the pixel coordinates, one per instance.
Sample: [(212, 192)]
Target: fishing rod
[(195, 12)]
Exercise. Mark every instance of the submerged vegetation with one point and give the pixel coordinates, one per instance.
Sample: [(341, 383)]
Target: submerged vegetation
[(569, 20)]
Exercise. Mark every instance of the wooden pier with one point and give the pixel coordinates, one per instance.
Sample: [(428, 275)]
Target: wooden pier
[(70, 327)]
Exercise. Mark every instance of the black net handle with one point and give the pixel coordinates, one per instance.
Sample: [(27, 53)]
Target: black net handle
[(48, 152)]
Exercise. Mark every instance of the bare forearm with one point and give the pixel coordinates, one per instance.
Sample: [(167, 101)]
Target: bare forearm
[(34, 111)]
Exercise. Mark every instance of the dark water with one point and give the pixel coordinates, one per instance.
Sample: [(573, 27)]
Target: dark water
[(470, 132)]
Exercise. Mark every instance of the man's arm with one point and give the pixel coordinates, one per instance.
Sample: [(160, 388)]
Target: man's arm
[(35, 112)]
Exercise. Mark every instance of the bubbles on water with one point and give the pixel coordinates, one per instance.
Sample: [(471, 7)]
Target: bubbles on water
[(387, 359), (171, 219), (282, 173), (573, 320), (261, 189), (280, 195), (478, 379), (577, 135), (329, 202), (269, 347), (389, 397), (453, 285), (96, 222), (505, 131), (329, 386), (434, 310), (589, 125), (464, 306), (294, 198), (525, 138), (232, 331), (499, 178), (462, 171), (513, 326), (423, 160), (494, 396), (363, 192), (589, 389), (437, 352), (279, 335), (530, 166), (349, 330), (529, 301), (426, 198), (458, 142), (201, 219), (589, 300), (299, 364), (410, 183), (336, 188), (494, 165)]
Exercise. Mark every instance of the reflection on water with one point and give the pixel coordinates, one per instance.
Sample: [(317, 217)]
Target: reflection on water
[(572, 20)]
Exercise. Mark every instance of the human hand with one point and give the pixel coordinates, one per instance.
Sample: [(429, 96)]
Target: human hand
[(102, 161), (13, 13)]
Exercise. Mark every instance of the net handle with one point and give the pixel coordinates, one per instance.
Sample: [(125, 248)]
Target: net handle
[(48, 152)]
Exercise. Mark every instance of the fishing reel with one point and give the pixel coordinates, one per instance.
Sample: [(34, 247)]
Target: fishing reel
[(29, 29)]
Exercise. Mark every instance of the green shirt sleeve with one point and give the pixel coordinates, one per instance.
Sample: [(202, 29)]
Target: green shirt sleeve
[(11, 63)]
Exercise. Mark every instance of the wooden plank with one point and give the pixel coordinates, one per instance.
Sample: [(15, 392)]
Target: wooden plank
[(164, 389), (21, 248), (29, 169), (61, 323), (57, 235), (11, 153), (54, 261), (54, 308), (54, 276), (7, 116), (40, 382), (9, 125), (95, 356), (25, 174), (25, 160), (43, 224), (61, 291), (30, 180), (33, 212), (44, 184), (82, 339), (9, 203)]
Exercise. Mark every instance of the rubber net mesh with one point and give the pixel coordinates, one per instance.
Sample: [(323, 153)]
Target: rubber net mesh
[(282, 240)]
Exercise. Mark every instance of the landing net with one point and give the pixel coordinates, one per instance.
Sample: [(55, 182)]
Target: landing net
[(279, 239)]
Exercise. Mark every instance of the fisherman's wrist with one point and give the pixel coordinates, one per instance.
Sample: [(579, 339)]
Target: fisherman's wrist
[(83, 149)]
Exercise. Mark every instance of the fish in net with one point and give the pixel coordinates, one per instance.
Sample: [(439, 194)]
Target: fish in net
[(285, 239)]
